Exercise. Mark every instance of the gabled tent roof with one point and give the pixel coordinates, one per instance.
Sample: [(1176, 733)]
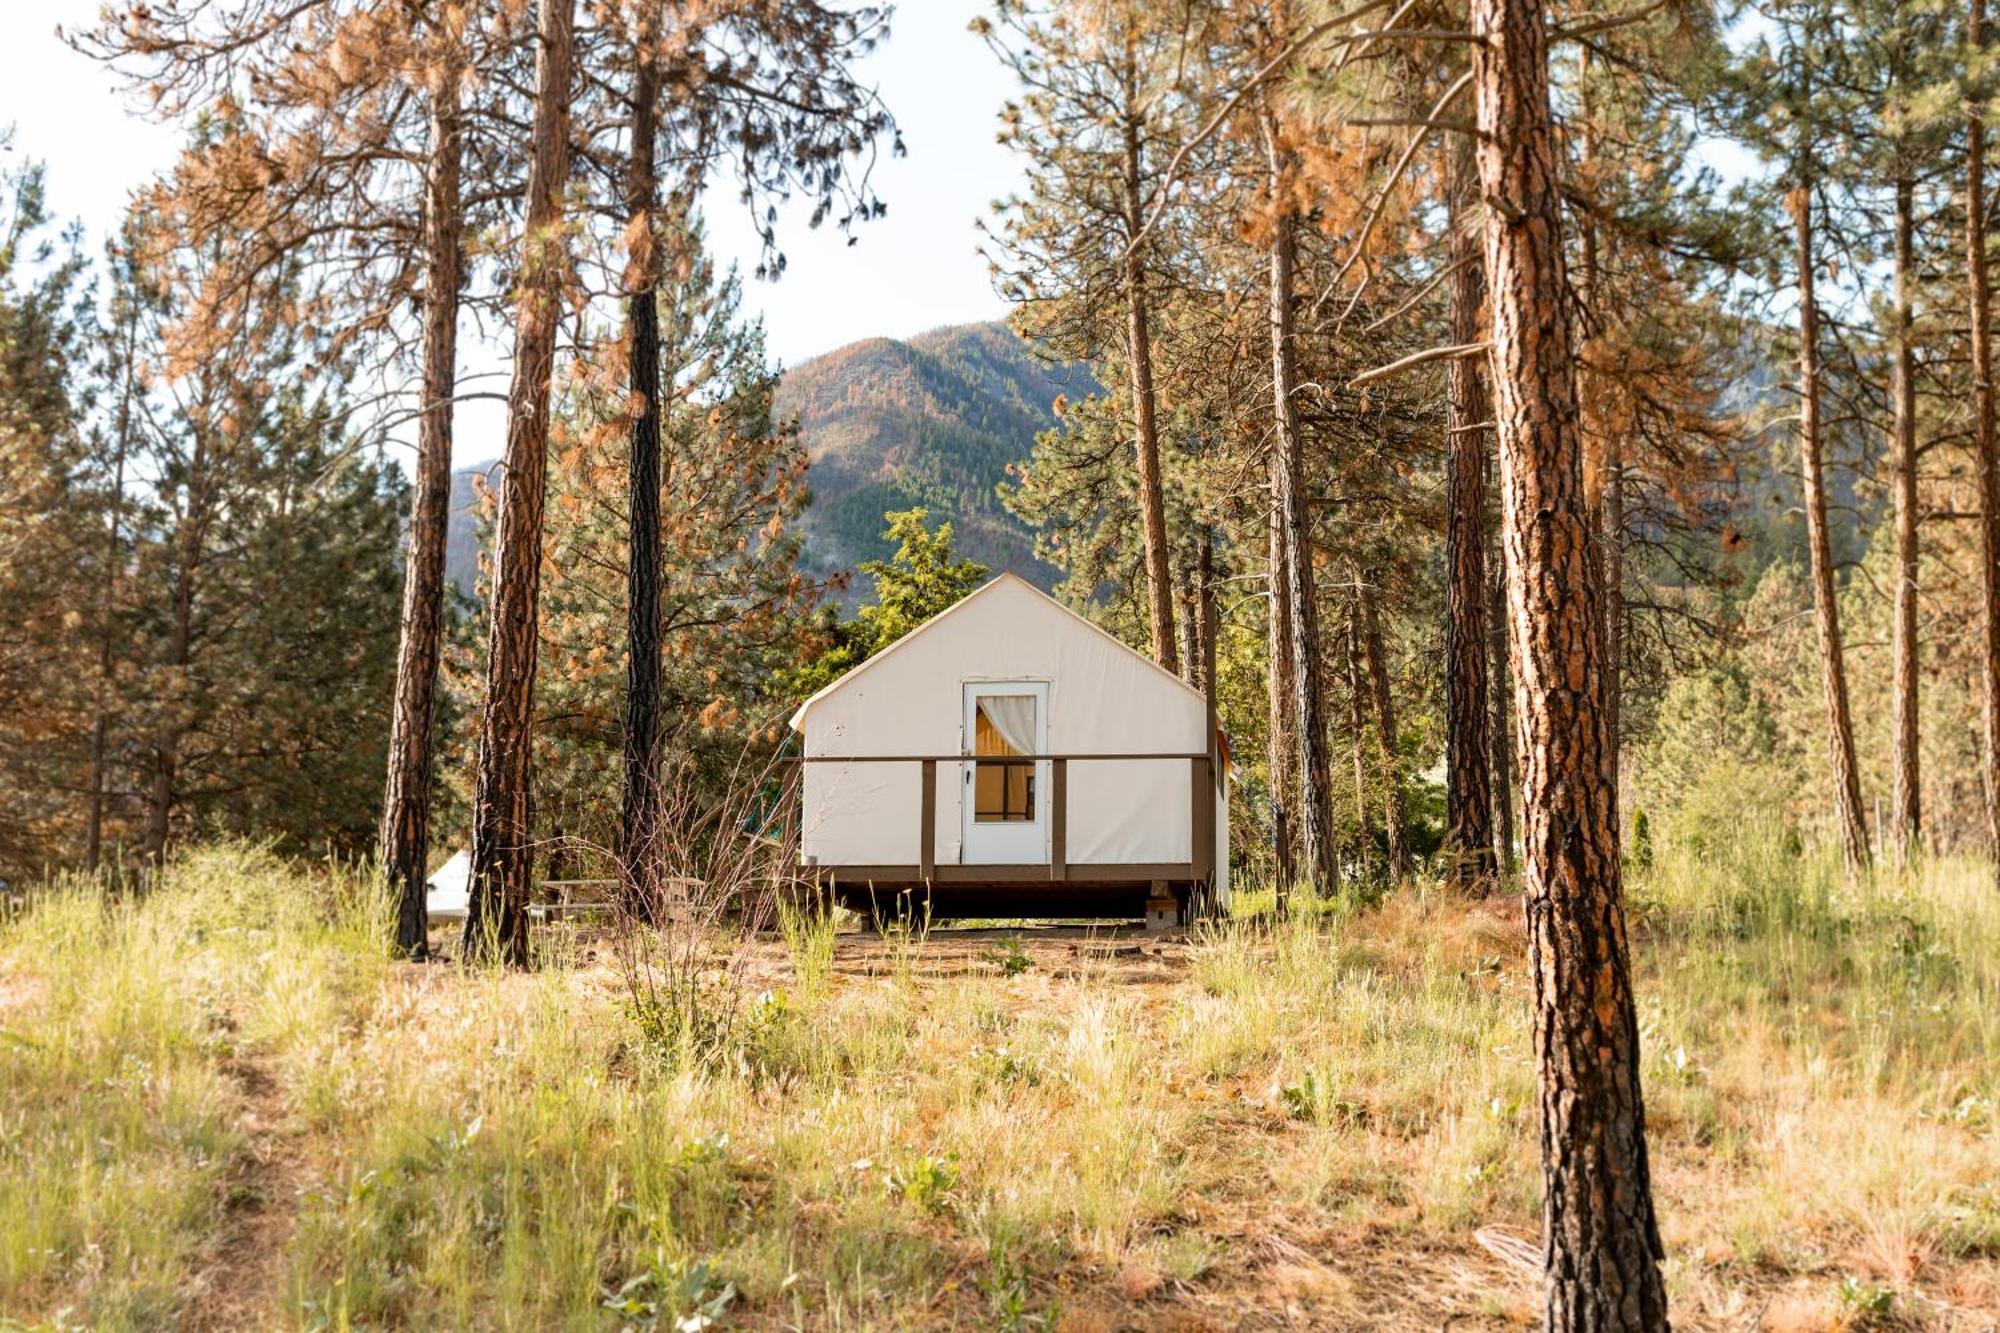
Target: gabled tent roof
[(976, 595)]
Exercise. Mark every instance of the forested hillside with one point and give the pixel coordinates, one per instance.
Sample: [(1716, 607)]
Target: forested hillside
[(935, 420), (461, 558)]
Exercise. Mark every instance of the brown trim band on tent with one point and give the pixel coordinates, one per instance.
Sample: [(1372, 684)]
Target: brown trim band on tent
[(1183, 756), (1123, 873)]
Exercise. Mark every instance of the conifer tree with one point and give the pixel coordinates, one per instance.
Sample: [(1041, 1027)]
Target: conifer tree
[(270, 532), (1800, 202), (1788, 91), (1601, 1243), (1985, 446), (345, 130), (1470, 778), (773, 88), (496, 921), (1079, 252), (50, 508), (731, 609), (406, 796)]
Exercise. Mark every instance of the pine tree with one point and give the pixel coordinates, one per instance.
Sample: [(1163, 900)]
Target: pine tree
[(496, 922), (343, 136), (271, 534), (1079, 250), (1985, 446), (51, 509), (1469, 774), (1602, 1248), (1788, 91), (924, 577), (1293, 548), (775, 84), (732, 610), (406, 797), (117, 371)]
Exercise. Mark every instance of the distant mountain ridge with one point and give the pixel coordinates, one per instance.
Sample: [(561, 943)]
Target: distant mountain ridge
[(461, 543), (932, 420)]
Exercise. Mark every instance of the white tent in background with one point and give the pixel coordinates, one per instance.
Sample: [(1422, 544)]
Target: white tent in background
[(449, 889), (1009, 758)]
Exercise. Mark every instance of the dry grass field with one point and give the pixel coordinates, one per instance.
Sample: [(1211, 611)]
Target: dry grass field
[(222, 1107)]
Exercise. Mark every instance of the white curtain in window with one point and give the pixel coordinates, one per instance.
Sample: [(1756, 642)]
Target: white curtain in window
[(1013, 716)]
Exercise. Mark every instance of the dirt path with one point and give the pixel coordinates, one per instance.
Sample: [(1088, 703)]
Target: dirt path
[(242, 1284)]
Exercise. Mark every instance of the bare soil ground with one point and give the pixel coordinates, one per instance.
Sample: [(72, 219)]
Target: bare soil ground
[(241, 1286)]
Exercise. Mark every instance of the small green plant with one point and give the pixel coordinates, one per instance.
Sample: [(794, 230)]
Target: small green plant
[(1310, 1099), (997, 1064), (1866, 1303), (1642, 840), (1005, 1283), (689, 1296), (1010, 957), (698, 1154), (1300, 1098), (706, 1027), (929, 1182)]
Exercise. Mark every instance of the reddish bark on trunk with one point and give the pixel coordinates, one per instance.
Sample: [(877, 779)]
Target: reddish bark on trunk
[(503, 851), (1906, 805), (406, 797), (1602, 1247), (1469, 778)]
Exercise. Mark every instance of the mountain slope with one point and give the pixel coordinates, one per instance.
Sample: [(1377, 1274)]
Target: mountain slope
[(932, 421), (461, 543)]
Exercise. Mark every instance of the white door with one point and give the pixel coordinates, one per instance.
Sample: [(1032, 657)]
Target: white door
[(1005, 806)]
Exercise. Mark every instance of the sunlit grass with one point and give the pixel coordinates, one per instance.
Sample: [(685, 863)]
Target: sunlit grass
[(943, 1146)]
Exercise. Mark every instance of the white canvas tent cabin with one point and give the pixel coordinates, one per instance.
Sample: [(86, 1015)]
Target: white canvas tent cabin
[(1007, 758)]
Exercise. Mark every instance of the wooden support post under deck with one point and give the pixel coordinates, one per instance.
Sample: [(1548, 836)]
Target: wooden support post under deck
[(927, 839), (1204, 820), (1059, 820)]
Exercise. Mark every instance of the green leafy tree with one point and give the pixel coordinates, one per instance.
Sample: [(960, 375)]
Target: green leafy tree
[(924, 577)]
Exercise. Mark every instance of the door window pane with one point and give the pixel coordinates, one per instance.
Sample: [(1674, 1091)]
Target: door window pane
[(1004, 793)]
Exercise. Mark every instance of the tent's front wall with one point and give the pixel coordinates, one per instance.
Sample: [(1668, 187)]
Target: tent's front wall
[(1102, 699)]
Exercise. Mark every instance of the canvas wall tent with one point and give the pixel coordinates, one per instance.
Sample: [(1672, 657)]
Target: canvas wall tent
[(1009, 758)]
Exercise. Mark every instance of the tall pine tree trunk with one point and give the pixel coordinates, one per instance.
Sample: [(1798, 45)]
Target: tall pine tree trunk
[(100, 726), (1190, 623), (1469, 775), (1611, 494), (163, 791), (1500, 731), (640, 829), (1357, 729), (1986, 454), (1907, 807), (1146, 437), (1601, 1247), (1826, 607), (502, 826), (406, 798), (1395, 818), (1280, 752), (1308, 711)]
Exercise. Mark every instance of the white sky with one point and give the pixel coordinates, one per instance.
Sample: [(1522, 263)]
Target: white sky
[(913, 270)]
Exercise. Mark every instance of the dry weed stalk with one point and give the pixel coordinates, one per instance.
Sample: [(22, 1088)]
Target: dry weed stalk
[(724, 856)]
